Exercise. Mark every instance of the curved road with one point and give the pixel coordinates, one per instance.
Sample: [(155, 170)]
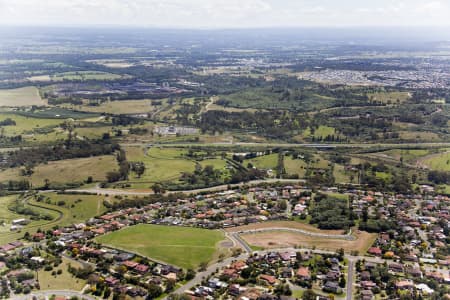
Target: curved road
[(347, 237), (50, 293), (239, 242)]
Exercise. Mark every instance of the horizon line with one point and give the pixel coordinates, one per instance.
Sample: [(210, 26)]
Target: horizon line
[(206, 28)]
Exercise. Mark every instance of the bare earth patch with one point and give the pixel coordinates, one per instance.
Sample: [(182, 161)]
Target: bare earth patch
[(282, 239), (283, 224)]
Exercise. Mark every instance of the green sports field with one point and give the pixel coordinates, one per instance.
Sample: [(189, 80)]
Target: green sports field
[(181, 246)]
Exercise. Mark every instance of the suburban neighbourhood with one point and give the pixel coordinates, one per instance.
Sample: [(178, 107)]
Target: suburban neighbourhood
[(404, 258)]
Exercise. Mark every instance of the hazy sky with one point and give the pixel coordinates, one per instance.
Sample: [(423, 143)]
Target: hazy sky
[(227, 13)]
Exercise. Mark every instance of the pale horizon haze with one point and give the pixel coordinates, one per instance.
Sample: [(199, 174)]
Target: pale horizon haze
[(210, 14)]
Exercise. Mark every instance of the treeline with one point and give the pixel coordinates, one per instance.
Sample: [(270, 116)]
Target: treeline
[(354, 65), (15, 185), (7, 122), (59, 151), (124, 168), (331, 213), (439, 177)]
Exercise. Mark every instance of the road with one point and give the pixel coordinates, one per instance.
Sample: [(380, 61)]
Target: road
[(50, 293), (100, 191), (350, 272), (208, 272), (347, 237), (297, 145), (239, 242), (200, 276)]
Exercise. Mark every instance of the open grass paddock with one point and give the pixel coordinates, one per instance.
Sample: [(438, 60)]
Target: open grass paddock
[(181, 246), (25, 96)]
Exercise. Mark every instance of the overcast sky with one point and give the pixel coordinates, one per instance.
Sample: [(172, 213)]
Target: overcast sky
[(227, 13)]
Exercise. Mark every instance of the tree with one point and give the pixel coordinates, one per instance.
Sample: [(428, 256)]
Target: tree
[(158, 188), (170, 285), (309, 295), (113, 176), (154, 291), (46, 183), (342, 282), (138, 168), (282, 205), (341, 253), (202, 266), (190, 274), (414, 178), (107, 293)]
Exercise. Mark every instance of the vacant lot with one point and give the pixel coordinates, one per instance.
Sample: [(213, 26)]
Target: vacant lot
[(284, 224), (282, 239), (64, 281), (26, 96), (181, 246), (65, 171)]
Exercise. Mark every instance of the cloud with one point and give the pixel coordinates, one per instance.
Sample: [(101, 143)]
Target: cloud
[(225, 13)]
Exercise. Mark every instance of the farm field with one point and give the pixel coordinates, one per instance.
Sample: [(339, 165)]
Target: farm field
[(423, 136), (217, 163), (263, 162), (112, 63), (25, 96), (341, 175), (121, 107), (80, 75), (65, 171), (390, 97), (320, 132), (39, 129), (231, 109), (162, 164), (295, 166), (182, 246), (408, 155), (439, 161)]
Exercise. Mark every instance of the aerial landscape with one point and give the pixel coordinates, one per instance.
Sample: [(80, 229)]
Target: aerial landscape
[(248, 149)]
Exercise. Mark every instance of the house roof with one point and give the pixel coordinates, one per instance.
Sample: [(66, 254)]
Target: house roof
[(303, 272)]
